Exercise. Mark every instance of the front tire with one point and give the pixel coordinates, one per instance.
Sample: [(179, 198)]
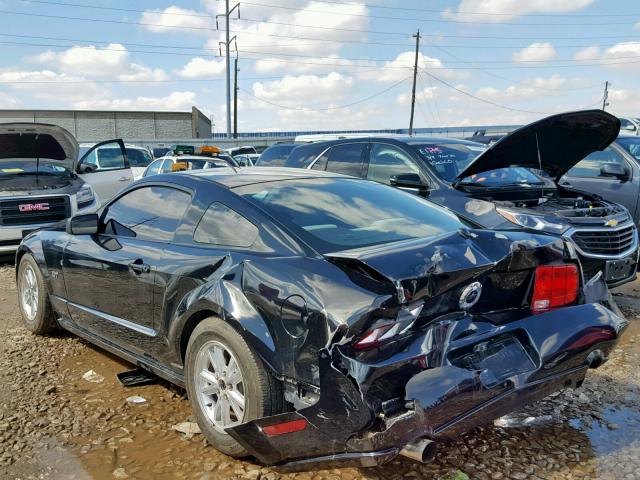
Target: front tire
[(227, 383), (37, 313)]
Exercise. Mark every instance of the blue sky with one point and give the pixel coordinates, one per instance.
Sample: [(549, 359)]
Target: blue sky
[(323, 65)]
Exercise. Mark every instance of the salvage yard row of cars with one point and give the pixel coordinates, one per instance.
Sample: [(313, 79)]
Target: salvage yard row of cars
[(373, 297)]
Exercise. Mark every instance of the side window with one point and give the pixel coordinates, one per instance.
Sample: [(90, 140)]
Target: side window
[(221, 225), (110, 158), (386, 161), (147, 213), (346, 159), (154, 168), (590, 166), (92, 159), (138, 158)]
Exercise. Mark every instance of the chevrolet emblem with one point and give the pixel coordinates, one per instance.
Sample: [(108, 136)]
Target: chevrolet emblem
[(611, 223)]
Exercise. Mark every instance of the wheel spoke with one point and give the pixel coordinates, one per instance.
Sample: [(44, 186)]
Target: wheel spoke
[(226, 411), (236, 400), (216, 356), (234, 376)]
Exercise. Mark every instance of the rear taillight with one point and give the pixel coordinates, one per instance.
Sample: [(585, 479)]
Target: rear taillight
[(555, 286), (285, 427)]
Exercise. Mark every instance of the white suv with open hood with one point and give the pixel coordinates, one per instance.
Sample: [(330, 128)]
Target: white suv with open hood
[(42, 181)]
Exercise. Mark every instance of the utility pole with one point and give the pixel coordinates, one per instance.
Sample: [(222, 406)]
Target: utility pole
[(605, 97), (415, 74), (227, 43), (235, 100)]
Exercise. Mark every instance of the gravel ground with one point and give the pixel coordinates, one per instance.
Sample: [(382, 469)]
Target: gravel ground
[(56, 425)]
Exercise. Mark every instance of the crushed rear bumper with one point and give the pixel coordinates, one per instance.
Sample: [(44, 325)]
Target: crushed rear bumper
[(453, 375)]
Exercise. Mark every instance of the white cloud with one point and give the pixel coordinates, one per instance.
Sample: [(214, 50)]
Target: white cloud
[(622, 56), (90, 61), (589, 53), (174, 101), (536, 52), (624, 102), (428, 93), (402, 67), (506, 10), (322, 65), (304, 89), (52, 86), (172, 18), (202, 68)]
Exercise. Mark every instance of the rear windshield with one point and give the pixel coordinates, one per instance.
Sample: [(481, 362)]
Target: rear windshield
[(333, 214), (274, 156), (631, 145), (448, 159)]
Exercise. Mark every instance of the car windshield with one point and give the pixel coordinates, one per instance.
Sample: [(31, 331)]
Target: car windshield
[(274, 156), (333, 214), (30, 166), (138, 157), (448, 159), (631, 145)]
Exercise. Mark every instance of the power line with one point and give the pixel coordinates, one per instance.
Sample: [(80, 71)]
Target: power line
[(244, 32), (305, 109), (410, 9), (324, 12), (84, 81)]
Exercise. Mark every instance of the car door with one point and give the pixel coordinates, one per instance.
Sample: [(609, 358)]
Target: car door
[(344, 158), (106, 168), (110, 276), (385, 161), (587, 176)]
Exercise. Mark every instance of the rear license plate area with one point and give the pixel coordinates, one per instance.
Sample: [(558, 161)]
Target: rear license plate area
[(619, 269), (500, 357)]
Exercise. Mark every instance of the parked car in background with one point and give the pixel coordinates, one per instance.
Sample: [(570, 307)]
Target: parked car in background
[(613, 174), (480, 136), (39, 183), (106, 158), (315, 317), (246, 150), (496, 188), (160, 151), (630, 125), (177, 163), (275, 155), (247, 159)]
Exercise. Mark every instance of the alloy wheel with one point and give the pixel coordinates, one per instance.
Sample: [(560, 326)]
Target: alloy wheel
[(29, 293), (219, 386)]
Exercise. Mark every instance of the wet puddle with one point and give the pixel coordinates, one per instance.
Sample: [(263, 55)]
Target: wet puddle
[(115, 439)]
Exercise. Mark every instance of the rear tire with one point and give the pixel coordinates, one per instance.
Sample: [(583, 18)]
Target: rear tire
[(37, 313), (227, 383)]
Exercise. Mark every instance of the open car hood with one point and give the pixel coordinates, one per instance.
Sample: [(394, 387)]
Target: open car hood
[(38, 140), (553, 144)]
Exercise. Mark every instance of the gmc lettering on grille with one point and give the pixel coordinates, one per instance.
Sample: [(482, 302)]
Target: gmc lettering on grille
[(33, 207)]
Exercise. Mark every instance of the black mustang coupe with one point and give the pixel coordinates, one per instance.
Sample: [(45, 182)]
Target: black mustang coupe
[(315, 317)]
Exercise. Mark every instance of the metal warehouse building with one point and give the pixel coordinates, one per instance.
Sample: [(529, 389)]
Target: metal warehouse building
[(97, 125)]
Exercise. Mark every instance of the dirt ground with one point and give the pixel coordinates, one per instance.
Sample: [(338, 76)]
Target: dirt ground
[(56, 425)]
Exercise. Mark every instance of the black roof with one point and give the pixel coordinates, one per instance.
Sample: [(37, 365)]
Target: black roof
[(230, 178)]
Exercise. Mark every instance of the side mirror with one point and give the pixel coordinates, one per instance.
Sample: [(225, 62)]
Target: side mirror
[(83, 224), (614, 170), (86, 168), (629, 128), (408, 180)]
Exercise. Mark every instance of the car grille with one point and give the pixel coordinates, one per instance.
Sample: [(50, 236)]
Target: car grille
[(52, 209), (605, 242)]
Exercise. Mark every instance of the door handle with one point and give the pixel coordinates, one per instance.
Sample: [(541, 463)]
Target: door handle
[(124, 179), (139, 266), (565, 184)]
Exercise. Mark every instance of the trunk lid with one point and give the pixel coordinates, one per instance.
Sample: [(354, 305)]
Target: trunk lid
[(428, 267), (32, 141), (554, 144)]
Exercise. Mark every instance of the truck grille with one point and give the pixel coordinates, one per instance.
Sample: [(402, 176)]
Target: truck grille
[(605, 242), (30, 211)]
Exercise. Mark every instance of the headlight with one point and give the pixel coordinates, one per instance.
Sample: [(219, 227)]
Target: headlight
[(532, 221), (85, 195)]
